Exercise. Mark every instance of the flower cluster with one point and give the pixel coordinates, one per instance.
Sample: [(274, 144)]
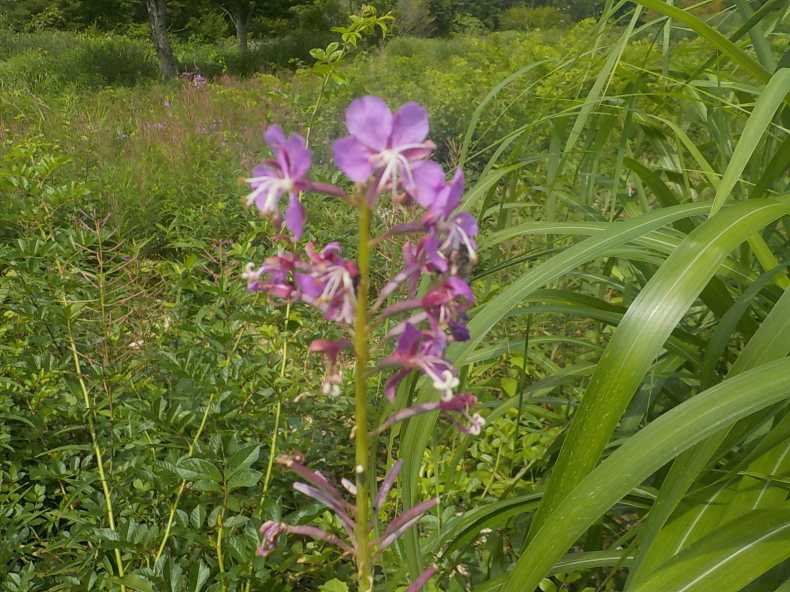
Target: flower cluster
[(194, 79), (387, 152), (384, 153)]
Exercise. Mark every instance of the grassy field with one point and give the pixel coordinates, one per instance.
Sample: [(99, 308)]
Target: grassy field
[(629, 337)]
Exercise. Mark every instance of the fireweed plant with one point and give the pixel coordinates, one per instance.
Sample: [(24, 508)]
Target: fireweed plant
[(384, 153)]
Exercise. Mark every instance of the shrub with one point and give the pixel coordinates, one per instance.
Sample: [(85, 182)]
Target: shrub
[(526, 18)]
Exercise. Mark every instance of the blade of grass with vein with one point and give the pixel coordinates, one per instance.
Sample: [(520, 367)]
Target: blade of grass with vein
[(728, 558), (599, 87), (640, 456), (641, 336), (754, 493), (713, 37), (776, 91), (417, 432), (775, 168), (771, 341), (760, 43), (717, 342), (470, 130)]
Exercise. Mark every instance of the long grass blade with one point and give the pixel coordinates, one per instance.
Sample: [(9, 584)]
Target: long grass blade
[(642, 455)]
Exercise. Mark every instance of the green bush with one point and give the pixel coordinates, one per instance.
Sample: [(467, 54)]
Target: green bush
[(526, 18)]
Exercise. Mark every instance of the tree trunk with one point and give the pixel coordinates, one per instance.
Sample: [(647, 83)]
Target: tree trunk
[(242, 23), (241, 18), (157, 18)]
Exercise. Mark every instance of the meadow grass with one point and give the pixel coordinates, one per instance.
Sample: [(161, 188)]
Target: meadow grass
[(631, 188)]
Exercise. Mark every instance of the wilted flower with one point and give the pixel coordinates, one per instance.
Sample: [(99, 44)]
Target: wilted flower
[(321, 490), (330, 349), (455, 408)]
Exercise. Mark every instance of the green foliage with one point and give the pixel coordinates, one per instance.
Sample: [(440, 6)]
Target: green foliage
[(629, 339), (523, 18)]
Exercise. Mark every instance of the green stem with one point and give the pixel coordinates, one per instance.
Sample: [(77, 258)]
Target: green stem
[(96, 449), (181, 487), (92, 429), (362, 456), (314, 111)]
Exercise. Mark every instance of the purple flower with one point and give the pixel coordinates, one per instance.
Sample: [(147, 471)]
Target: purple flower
[(331, 349), (285, 173), (418, 259), (453, 232), (274, 277), (329, 282), (446, 303), (382, 141), (423, 351), (455, 408)]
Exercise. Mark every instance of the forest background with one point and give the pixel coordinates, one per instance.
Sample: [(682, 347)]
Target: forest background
[(627, 163)]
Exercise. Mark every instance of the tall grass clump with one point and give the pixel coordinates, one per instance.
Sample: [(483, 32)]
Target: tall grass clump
[(652, 326)]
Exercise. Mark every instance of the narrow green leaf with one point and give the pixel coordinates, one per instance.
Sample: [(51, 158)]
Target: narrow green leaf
[(770, 342), (776, 91), (641, 335), (775, 168), (642, 455), (482, 105), (729, 558), (599, 86), (713, 37)]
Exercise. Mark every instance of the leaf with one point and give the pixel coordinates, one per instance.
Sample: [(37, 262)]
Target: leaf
[(135, 583), (244, 478), (197, 517), (641, 335), (771, 99), (244, 456), (643, 454), (198, 576), (713, 37), (333, 585), (729, 558), (194, 469)]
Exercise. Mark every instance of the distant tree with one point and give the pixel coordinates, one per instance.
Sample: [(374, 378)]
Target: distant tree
[(157, 18), (240, 13), (414, 18)]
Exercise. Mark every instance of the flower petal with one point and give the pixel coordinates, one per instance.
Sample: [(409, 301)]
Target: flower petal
[(275, 137), (428, 182), (369, 120), (295, 216), (422, 579), (409, 125), (299, 156), (353, 158)]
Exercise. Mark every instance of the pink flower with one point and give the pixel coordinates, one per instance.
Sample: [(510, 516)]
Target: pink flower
[(382, 142), (329, 282), (274, 277), (423, 351), (286, 173)]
